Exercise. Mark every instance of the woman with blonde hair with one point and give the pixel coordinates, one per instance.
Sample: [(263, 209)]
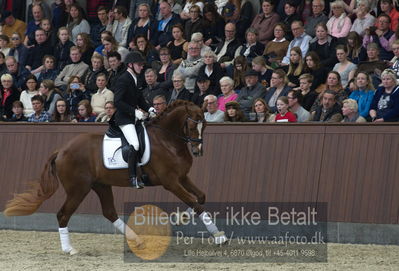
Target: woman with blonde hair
[(295, 67), (339, 24), (278, 87), (385, 104), (350, 111), (264, 70), (364, 93)]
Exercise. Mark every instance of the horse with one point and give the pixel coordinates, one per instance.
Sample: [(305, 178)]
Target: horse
[(79, 167)]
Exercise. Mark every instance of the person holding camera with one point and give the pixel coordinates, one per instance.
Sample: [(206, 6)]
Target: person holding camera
[(76, 92), (382, 35)]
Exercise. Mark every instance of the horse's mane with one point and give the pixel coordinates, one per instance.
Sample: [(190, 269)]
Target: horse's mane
[(170, 108)]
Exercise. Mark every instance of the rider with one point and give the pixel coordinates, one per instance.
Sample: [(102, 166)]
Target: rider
[(128, 102)]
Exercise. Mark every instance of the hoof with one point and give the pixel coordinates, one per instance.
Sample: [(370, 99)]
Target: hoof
[(137, 244), (73, 252), (220, 238)]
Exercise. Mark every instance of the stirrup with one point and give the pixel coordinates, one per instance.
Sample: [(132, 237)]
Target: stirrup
[(136, 183)]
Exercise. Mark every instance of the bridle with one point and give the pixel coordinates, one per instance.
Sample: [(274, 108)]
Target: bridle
[(186, 136)]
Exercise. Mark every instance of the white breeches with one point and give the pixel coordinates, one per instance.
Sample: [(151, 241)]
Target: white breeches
[(129, 131)]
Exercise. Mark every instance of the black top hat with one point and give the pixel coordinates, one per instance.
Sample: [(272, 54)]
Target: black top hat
[(202, 78), (134, 57)]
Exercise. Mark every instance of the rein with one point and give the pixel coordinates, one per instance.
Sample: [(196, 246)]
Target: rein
[(185, 138)]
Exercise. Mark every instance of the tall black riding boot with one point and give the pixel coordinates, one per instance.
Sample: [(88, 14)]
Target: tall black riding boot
[(135, 182)]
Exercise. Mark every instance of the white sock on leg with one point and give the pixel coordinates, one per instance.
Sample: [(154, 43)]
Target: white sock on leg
[(125, 229), (65, 242), (206, 219)]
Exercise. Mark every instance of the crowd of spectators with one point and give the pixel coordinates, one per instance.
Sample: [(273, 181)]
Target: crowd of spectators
[(240, 60)]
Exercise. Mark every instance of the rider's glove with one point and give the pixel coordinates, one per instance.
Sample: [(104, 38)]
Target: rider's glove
[(152, 112), (139, 115)]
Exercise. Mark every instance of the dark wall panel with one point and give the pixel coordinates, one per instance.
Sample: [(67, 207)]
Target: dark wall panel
[(354, 168)]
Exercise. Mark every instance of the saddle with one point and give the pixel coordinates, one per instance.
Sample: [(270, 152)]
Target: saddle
[(116, 147)]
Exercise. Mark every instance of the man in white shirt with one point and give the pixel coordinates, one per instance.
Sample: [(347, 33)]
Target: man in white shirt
[(213, 114), (301, 39)]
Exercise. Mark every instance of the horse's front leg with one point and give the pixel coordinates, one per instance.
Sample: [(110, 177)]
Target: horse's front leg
[(186, 197), (192, 188)]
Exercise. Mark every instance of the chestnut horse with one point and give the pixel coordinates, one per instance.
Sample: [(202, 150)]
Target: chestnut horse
[(79, 167)]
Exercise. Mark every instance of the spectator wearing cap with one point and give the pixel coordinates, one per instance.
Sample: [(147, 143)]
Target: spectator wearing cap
[(229, 48), (265, 22), (203, 89), (12, 25), (253, 89), (190, 67), (212, 114), (233, 112), (211, 70)]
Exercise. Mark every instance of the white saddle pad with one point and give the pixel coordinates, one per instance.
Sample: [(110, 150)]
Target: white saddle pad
[(113, 158)]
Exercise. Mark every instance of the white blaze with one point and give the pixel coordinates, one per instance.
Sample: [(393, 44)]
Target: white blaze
[(199, 127)]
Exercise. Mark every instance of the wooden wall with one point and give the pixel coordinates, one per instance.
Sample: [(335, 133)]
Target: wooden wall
[(352, 167)]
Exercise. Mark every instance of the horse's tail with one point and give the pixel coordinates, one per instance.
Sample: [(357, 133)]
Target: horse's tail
[(28, 202)]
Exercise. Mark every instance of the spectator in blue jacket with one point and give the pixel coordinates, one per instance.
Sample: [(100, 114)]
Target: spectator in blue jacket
[(364, 93), (385, 105)]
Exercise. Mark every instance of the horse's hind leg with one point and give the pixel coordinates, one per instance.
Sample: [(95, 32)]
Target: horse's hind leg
[(72, 202), (192, 188), (104, 193)]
